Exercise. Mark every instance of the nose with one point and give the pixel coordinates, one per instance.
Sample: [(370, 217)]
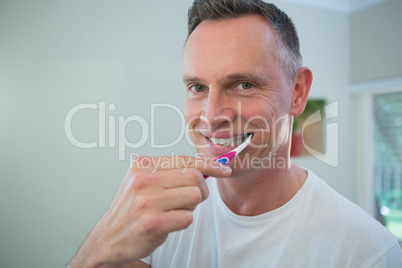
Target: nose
[(219, 109)]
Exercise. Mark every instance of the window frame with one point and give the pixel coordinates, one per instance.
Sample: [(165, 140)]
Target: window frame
[(363, 116)]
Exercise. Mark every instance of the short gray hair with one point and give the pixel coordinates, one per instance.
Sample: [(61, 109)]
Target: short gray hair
[(287, 47)]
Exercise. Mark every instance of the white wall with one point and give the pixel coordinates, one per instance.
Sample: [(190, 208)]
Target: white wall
[(375, 42), (57, 54)]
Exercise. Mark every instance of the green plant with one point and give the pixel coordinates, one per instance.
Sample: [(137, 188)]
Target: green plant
[(311, 107)]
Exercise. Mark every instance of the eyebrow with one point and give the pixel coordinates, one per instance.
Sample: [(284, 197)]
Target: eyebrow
[(231, 77), (243, 77), (189, 78)]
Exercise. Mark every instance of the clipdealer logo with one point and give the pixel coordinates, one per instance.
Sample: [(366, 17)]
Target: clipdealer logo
[(119, 123), (331, 155), (120, 127)]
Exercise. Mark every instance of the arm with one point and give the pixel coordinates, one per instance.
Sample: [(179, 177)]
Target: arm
[(152, 201)]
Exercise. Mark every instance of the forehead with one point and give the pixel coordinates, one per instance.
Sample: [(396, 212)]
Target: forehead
[(245, 42)]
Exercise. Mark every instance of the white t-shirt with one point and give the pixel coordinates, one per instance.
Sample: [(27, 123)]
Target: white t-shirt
[(317, 228)]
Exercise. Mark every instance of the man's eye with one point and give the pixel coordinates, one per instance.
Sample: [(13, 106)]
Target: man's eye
[(197, 88), (244, 85)]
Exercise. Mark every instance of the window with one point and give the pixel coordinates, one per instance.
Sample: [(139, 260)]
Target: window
[(387, 157)]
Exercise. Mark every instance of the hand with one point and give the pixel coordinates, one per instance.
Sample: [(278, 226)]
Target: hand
[(156, 197)]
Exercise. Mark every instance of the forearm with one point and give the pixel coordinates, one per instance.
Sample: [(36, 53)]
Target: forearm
[(93, 252), (85, 257)]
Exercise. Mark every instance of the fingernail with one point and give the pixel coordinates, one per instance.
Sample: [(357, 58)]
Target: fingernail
[(226, 170)]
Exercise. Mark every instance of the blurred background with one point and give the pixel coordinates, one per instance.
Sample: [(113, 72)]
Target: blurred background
[(118, 59)]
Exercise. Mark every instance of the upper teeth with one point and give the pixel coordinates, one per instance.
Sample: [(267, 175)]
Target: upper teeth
[(232, 141)]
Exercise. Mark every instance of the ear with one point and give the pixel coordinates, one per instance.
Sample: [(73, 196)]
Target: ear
[(301, 89)]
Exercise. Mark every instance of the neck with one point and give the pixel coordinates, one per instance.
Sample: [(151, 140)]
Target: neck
[(261, 191)]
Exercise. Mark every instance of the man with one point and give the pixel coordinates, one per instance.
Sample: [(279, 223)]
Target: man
[(243, 76)]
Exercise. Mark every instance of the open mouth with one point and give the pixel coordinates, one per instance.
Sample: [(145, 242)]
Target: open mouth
[(231, 141)]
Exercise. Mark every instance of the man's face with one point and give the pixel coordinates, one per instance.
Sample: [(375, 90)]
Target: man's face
[(236, 86)]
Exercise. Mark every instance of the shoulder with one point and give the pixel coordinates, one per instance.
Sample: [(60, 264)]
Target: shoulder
[(338, 209), (348, 225)]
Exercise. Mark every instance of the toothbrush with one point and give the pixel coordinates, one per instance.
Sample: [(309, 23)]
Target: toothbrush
[(225, 159)]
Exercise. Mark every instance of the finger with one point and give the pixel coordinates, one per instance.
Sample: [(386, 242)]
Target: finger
[(144, 163), (144, 183), (206, 166), (176, 220), (170, 179), (147, 163), (171, 199)]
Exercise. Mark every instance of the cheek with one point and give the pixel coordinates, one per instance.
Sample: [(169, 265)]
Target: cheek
[(271, 106), (192, 112), (260, 108), (263, 116)]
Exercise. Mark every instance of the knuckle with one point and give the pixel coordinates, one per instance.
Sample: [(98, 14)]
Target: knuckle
[(205, 194), (194, 174), (151, 223), (187, 218), (140, 181), (195, 195), (142, 202)]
